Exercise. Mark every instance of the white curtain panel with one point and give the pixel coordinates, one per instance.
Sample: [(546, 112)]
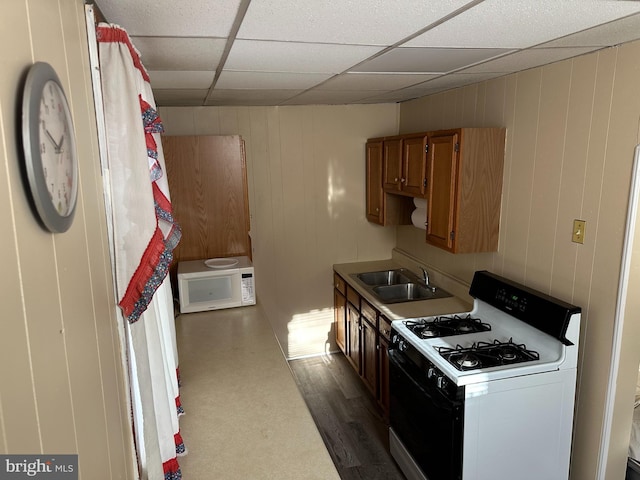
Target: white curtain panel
[(144, 237)]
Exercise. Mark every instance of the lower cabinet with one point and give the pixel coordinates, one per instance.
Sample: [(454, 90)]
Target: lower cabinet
[(353, 335), (340, 311), (384, 335), (362, 334), (369, 347)]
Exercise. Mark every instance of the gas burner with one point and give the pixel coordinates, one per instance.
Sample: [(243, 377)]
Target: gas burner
[(446, 326), (485, 354), (467, 360)]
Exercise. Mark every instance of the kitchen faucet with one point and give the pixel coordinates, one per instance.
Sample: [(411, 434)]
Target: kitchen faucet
[(425, 276)]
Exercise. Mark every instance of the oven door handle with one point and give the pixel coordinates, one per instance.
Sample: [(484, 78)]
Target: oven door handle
[(431, 392)]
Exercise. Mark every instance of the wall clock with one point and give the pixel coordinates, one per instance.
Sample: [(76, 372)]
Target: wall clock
[(49, 146)]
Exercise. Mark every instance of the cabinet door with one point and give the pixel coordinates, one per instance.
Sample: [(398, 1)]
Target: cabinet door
[(392, 163), (375, 193), (340, 320), (442, 171), (414, 163), (383, 374), (368, 346), (353, 336), (207, 177)]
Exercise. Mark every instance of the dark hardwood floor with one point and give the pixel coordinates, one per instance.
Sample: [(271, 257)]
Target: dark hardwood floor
[(347, 417)]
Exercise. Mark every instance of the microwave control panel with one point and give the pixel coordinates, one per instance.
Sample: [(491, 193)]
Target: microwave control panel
[(248, 289)]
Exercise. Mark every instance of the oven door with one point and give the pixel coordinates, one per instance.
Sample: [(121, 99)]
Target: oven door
[(427, 422)]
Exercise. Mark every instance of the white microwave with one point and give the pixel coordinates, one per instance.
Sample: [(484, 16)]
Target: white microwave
[(215, 283)]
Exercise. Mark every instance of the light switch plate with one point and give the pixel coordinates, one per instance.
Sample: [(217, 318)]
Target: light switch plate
[(578, 231)]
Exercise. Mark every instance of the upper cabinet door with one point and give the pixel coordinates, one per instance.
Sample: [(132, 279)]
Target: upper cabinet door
[(392, 164), (442, 172), (207, 178), (414, 160), (375, 194)]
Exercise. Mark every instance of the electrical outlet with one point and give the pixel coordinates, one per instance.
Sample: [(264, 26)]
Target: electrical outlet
[(578, 231)]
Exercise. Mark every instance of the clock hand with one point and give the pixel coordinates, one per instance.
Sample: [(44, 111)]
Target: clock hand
[(60, 145), (55, 145), (57, 148)]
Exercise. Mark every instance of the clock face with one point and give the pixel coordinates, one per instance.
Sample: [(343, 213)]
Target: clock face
[(57, 148), (48, 140)]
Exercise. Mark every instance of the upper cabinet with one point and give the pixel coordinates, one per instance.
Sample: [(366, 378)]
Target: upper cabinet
[(458, 172), (404, 164), (382, 208), (464, 189)]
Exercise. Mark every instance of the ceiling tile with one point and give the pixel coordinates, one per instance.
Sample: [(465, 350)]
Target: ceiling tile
[(268, 80), (453, 80), (250, 97), (324, 97), (427, 60), (526, 59), (364, 22), (612, 33), (248, 55), (169, 53), (374, 81), (179, 97), (183, 79), (164, 18), (509, 24)]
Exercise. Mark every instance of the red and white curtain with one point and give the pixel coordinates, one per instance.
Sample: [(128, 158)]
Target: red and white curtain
[(145, 235)]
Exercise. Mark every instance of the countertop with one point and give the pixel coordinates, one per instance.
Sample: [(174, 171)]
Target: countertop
[(460, 302), (244, 415)]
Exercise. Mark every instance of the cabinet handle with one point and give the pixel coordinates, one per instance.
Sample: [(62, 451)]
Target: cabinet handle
[(395, 179), (403, 180), (377, 209)]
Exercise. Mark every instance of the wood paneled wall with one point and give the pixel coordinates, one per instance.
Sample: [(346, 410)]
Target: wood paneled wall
[(306, 171), (62, 384), (208, 184)]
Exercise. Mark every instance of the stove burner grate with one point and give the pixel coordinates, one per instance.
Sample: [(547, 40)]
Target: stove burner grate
[(446, 326), (485, 354)]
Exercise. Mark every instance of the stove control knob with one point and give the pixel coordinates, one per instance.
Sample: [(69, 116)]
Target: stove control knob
[(441, 382), (402, 346), (431, 372)]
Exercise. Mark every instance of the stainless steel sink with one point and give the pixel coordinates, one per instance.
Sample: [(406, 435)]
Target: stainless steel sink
[(384, 277), (408, 292), (398, 285)]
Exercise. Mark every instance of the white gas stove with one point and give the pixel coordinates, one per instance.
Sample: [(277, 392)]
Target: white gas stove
[(497, 384)]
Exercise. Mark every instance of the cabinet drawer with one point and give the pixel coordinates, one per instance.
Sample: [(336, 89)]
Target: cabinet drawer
[(339, 283), (384, 326), (353, 297), (370, 313)]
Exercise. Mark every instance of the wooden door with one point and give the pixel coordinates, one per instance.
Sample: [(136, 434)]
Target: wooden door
[(375, 194), (383, 374), (441, 184), (414, 164), (208, 184), (353, 333), (368, 347), (392, 164), (340, 311)]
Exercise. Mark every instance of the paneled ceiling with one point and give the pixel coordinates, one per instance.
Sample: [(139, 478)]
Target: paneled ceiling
[(298, 52)]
